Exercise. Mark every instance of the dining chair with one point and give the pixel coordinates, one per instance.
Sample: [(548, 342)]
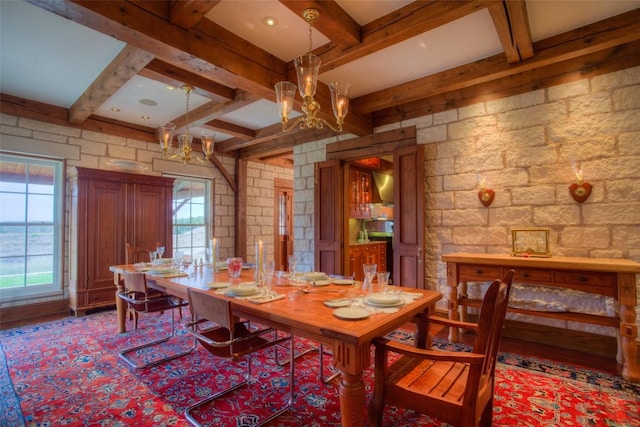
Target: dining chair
[(139, 299), (139, 254), (453, 386), (223, 335), (135, 254)]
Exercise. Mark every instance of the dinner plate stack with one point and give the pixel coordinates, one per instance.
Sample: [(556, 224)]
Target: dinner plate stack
[(243, 289), (383, 300)]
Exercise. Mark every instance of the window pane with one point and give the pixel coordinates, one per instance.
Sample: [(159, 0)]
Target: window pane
[(12, 242), (191, 216), (15, 207), (40, 208), (40, 240), (12, 272), (40, 270)]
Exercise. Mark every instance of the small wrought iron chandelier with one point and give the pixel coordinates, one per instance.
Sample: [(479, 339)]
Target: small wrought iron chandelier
[(185, 140), (307, 68)]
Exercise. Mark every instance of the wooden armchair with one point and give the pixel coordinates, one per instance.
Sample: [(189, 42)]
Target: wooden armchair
[(229, 338), (455, 387)]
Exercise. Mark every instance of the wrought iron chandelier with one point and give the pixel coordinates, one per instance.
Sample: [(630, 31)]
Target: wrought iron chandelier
[(185, 148), (307, 68)]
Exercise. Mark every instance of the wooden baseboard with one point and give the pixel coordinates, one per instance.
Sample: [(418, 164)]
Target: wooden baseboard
[(15, 316)]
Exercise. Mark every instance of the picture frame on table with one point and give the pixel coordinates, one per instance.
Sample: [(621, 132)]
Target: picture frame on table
[(530, 242)]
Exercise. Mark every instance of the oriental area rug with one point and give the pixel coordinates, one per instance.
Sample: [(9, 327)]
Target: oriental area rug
[(67, 372)]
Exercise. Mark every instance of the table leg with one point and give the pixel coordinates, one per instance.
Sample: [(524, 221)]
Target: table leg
[(629, 334), (121, 308), (352, 360)]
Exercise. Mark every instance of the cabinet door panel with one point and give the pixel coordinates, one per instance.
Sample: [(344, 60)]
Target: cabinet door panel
[(105, 231), (148, 213)]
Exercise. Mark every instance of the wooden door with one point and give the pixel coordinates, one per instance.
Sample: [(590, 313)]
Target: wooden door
[(408, 243), (328, 219), (283, 224)]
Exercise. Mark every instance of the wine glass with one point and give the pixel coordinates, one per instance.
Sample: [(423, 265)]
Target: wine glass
[(153, 255), (160, 250), (383, 281), (293, 264), (369, 273), (268, 268)]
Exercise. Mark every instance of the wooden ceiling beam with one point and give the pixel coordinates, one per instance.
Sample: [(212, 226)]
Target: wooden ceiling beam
[(120, 70), (512, 25), (336, 24), (409, 21), (602, 35), (173, 76), (231, 129), (205, 49), (597, 63), (187, 13)]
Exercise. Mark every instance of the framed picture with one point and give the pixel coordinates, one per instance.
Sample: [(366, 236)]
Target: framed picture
[(530, 242)]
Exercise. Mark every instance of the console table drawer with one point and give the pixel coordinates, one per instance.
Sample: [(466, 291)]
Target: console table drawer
[(533, 275), (479, 273), (598, 283)]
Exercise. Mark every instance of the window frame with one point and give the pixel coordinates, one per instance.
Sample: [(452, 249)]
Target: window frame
[(57, 287), (208, 213)]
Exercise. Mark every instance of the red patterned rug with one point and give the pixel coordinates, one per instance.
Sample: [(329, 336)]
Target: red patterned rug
[(67, 372)]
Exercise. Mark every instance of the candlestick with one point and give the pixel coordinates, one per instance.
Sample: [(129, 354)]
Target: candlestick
[(215, 254)]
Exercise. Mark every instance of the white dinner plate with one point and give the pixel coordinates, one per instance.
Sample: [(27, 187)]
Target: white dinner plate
[(315, 275), (384, 299), (342, 281), (160, 270), (243, 289), (338, 302), (321, 283), (351, 313), (219, 285)]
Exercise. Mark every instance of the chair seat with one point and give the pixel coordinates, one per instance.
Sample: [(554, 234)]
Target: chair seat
[(239, 349), (442, 381), (162, 302)]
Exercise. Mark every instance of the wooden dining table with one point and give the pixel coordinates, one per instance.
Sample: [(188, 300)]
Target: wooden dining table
[(304, 314)]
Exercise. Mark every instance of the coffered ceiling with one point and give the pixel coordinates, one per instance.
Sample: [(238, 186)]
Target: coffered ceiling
[(117, 66)]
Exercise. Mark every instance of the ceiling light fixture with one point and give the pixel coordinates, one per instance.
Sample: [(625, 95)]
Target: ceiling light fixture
[(307, 67), (185, 148)]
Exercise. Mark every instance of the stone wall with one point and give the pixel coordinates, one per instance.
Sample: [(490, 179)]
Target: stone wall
[(523, 147), (260, 205), (95, 150)]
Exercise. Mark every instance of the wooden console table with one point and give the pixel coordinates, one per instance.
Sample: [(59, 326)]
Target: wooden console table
[(610, 277)]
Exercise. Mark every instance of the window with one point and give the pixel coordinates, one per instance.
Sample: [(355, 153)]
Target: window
[(30, 227), (191, 215)]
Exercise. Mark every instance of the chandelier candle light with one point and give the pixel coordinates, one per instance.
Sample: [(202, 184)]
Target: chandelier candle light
[(307, 68), (185, 147)]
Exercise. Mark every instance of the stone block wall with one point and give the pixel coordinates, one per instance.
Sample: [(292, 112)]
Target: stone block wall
[(261, 205), (523, 147), (95, 150)]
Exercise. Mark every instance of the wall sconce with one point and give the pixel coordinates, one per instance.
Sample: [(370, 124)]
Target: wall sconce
[(579, 190), (485, 195)]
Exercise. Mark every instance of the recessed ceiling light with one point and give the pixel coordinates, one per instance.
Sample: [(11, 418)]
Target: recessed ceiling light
[(270, 21), (145, 117), (169, 87), (115, 110)]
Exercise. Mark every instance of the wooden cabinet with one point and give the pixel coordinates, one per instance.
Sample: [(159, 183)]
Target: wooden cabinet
[(360, 188), (109, 209), (367, 253)]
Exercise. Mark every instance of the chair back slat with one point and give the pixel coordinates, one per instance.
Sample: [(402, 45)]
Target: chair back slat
[(205, 306)]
